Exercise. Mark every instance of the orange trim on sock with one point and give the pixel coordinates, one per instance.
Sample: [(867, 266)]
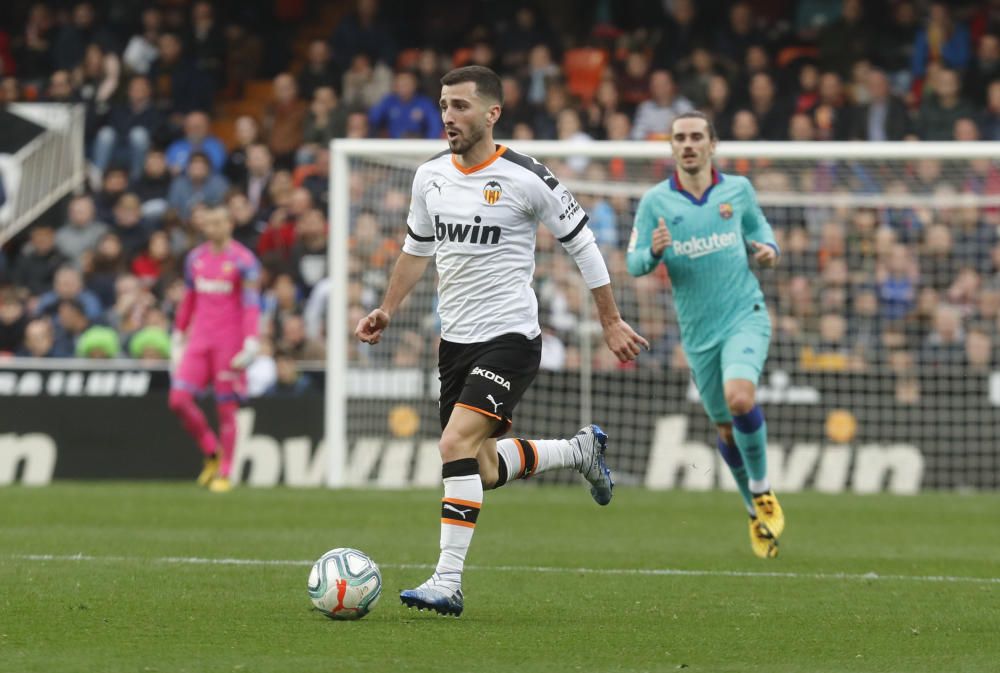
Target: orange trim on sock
[(520, 450), (534, 449), (453, 522), (464, 503), (482, 411)]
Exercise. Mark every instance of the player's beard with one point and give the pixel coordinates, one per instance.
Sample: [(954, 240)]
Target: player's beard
[(461, 144)]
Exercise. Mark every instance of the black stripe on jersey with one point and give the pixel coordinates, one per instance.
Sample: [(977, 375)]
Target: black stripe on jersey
[(440, 154), (571, 235), (423, 239), (526, 162)]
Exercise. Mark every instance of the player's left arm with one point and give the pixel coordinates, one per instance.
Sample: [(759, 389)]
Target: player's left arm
[(757, 230), (250, 300), (560, 212)]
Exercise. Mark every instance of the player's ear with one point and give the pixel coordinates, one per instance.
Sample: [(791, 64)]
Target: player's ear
[(493, 114)]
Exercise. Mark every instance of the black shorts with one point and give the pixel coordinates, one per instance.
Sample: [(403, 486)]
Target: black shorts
[(488, 377)]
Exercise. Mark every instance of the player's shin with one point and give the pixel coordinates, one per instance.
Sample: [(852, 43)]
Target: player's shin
[(521, 458), (182, 403), (734, 461), (227, 434), (463, 498), (750, 432)]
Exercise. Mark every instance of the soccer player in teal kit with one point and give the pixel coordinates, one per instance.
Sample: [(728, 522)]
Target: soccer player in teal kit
[(705, 226)]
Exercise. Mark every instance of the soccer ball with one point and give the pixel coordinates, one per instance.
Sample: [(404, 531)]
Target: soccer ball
[(345, 584)]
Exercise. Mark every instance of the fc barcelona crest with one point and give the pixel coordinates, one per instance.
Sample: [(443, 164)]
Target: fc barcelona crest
[(726, 210), (492, 192)]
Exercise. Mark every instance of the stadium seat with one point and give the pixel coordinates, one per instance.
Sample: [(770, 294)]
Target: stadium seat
[(584, 68)]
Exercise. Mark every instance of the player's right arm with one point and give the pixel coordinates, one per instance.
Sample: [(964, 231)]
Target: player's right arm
[(418, 248), (650, 238)]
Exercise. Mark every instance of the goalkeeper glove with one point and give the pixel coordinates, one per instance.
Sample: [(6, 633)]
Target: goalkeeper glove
[(243, 359)]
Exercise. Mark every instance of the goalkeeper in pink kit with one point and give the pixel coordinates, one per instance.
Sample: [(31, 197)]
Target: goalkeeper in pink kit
[(214, 340)]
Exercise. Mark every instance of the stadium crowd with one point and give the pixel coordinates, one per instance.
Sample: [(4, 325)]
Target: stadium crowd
[(857, 288)]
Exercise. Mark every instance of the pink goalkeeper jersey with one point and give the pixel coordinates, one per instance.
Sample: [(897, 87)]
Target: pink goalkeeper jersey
[(222, 303)]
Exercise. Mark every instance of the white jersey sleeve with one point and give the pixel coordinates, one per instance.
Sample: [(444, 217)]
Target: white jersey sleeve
[(420, 239), (556, 207)]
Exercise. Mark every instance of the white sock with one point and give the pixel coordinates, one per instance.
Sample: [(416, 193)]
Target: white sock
[(463, 498), (525, 457), (758, 486)]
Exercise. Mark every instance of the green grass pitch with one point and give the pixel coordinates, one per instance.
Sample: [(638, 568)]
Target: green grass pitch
[(129, 577)]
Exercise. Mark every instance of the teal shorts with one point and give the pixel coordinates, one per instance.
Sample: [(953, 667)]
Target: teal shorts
[(741, 355)]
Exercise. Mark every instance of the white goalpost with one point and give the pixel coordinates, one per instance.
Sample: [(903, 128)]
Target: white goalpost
[(885, 311)]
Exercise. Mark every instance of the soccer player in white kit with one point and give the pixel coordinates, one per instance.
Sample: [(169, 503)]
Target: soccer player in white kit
[(476, 209)]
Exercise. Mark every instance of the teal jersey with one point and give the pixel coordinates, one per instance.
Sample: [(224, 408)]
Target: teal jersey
[(708, 259)]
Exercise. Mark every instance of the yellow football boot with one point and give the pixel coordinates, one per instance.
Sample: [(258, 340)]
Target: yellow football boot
[(208, 470), (764, 544), (769, 513), (220, 485)]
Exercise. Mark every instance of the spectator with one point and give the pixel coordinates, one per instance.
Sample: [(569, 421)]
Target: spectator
[(366, 83), (542, 70), (246, 226), (130, 129), (883, 117), (568, 130), (832, 116), (361, 32), (320, 70), (68, 286), (82, 229), (654, 115), (247, 134), (945, 345), (771, 118), (515, 109), (151, 264), (33, 49), (38, 260), (983, 70), (831, 351), (74, 37), (13, 321), (153, 186), (405, 113), (278, 239), (897, 284), (942, 40), (847, 39), (143, 47), (284, 120), (180, 87), (745, 126), (938, 263), (60, 89), (719, 105), (150, 345), (104, 267), (39, 340), (69, 323), (259, 174), (127, 224), (943, 107), (316, 178), (96, 81), (98, 343), (979, 357), (196, 140), (327, 119), (290, 381), (198, 185), (205, 44), (309, 253), (739, 33)]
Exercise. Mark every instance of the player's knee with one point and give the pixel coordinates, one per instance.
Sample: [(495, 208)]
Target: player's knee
[(178, 400), (455, 447), (739, 401)]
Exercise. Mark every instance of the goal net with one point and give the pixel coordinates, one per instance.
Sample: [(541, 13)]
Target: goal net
[(884, 309)]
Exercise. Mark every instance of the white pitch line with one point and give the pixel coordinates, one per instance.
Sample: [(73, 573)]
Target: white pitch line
[(642, 572)]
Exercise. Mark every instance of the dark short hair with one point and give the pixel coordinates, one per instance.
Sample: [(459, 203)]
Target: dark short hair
[(697, 114), (487, 82)]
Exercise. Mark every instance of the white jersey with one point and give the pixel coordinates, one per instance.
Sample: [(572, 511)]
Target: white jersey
[(480, 223)]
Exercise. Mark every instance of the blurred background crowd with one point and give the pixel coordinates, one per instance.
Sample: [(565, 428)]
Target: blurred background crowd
[(195, 104)]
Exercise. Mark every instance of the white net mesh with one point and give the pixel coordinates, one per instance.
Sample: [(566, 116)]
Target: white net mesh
[(884, 307)]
